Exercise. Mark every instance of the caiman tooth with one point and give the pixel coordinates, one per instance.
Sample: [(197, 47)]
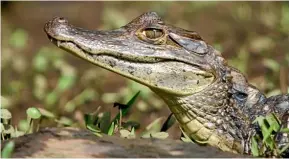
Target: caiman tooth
[(58, 43)]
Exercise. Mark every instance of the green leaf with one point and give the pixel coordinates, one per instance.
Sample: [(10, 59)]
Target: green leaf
[(111, 129), (65, 82), (65, 121), (186, 138), (51, 98), (284, 149), (129, 104), (254, 147), (5, 114), (40, 62), (160, 135), (70, 106), (272, 64), (8, 150), (168, 123), (46, 113), (261, 122), (273, 122), (18, 38), (23, 125), (109, 97), (90, 119), (145, 91), (93, 128), (132, 131), (33, 113), (84, 96), (40, 86), (285, 130), (97, 134), (267, 134), (105, 122), (270, 142)]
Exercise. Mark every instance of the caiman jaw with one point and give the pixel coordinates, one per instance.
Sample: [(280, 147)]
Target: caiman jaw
[(122, 52)]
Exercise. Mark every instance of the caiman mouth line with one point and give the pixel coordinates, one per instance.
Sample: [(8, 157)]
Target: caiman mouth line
[(59, 43), (70, 46)]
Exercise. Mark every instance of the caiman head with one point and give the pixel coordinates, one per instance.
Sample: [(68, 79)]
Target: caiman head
[(177, 64), (160, 56)]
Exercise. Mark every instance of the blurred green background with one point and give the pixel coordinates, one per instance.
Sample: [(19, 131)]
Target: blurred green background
[(253, 36)]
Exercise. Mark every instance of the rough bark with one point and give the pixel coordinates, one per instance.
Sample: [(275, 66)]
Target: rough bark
[(71, 142)]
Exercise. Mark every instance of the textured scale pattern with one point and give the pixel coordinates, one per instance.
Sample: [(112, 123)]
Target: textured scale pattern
[(208, 119)]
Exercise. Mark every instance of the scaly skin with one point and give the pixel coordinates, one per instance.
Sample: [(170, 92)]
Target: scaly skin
[(213, 102)]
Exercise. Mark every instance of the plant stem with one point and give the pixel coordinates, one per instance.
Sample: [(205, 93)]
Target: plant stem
[(120, 116)]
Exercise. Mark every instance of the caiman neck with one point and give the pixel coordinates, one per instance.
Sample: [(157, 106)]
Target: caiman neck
[(210, 117)]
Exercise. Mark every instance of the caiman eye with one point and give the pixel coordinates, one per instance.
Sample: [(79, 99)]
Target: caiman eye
[(152, 33), (241, 96)]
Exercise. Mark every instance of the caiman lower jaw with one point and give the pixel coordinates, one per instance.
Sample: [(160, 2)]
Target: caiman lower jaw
[(161, 75)]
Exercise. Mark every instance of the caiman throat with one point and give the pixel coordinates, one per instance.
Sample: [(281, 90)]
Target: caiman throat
[(178, 65)]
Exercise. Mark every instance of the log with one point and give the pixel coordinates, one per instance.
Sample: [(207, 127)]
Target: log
[(73, 142)]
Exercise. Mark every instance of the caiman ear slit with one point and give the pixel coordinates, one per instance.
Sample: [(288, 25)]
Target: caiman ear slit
[(189, 44)]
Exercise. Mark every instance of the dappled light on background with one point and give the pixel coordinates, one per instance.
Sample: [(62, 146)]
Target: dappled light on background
[(252, 36)]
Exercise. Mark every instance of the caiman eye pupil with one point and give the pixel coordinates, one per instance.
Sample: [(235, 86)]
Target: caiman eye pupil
[(153, 33), (241, 96)]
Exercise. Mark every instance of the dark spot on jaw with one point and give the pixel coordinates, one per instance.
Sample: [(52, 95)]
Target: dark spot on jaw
[(184, 70), (131, 70), (112, 63), (161, 82)]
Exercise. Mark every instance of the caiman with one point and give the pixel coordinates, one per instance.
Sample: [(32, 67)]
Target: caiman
[(212, 101)]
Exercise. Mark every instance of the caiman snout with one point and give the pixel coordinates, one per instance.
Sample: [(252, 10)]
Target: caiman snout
[(57, 28)]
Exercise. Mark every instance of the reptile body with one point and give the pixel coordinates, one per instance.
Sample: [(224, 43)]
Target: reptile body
[(212, 101)]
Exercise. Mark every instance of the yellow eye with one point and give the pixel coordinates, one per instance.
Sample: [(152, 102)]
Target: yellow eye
[(153, 33)]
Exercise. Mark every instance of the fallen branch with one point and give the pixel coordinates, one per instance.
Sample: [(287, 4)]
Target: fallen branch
[(72, 142)]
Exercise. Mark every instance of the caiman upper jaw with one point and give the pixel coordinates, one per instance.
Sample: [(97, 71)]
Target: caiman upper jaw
[(170, 68)]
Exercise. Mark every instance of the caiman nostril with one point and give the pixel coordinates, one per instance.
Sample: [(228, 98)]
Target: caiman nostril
[(61, 20)]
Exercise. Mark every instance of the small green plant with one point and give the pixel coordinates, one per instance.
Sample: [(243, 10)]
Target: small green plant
[(8, 150), (99, 123), (266, 146), (32, 123)]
